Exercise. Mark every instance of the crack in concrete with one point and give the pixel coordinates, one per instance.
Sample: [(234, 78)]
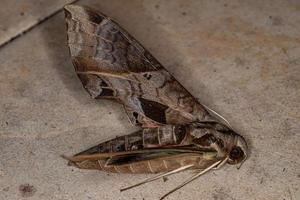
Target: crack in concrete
[(40, 21)]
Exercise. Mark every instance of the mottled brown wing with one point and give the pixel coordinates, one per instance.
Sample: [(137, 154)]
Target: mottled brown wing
[(127, 157), (112, 64)]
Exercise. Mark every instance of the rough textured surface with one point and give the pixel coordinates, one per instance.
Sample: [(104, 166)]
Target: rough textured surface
[(239, 58), (18, 16)]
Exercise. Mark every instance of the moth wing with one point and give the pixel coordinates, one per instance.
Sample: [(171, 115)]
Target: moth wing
[(132, 158), (112, 64), (127, 157)]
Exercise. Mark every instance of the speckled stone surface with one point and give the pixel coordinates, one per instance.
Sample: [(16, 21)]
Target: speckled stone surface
[(17, 16), (240, 58)]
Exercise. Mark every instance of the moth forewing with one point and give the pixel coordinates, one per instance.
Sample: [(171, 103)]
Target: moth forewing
[(107, 58)]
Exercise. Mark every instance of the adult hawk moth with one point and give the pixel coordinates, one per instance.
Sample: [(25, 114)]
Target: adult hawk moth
[(177, 132)]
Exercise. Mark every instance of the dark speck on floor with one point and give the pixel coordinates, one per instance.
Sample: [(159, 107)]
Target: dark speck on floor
[(27, 190)]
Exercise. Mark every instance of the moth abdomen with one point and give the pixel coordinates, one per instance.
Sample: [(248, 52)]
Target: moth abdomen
[(146, 138), (164, 135), (123, 143), (153, 138)]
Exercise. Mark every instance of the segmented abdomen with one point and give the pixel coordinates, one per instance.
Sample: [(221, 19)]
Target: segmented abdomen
[(146, 138)]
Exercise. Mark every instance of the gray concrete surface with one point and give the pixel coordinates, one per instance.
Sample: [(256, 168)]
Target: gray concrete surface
[(241, 58), (17, 16)]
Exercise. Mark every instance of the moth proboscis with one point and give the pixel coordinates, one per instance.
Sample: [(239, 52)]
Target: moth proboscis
[(177, 132)]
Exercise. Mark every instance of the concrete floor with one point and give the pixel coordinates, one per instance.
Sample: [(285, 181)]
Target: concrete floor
[(240, 58)]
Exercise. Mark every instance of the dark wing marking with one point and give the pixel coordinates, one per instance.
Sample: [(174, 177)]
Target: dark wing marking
[(154, 110), (105, 54), (132, 158)]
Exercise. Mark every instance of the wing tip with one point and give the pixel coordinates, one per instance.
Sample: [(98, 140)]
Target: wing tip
[(72, 7), (69, 10), (79, 11), (71, 162)]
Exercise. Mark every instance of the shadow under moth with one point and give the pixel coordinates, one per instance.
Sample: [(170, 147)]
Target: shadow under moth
[(177, 132)]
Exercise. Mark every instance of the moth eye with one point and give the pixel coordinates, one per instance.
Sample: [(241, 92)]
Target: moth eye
[(236, 153)]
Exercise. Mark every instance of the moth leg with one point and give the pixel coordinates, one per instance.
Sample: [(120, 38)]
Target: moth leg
[(221, 164), (191, 179), (215, 143), (159, 176), (218, 147)]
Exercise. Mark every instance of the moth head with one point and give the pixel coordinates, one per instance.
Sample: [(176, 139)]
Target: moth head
[(238, 153), (221, 138)]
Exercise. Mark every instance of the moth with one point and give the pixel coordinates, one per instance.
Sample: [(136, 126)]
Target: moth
[(177, 132)]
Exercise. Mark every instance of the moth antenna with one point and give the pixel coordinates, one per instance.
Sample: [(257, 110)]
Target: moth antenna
[(192, 178), (218, 115), (222, 163), (240, 165), (159, 176)]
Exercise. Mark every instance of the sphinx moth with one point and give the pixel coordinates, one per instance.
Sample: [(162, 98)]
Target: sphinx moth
[(177, 132)]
